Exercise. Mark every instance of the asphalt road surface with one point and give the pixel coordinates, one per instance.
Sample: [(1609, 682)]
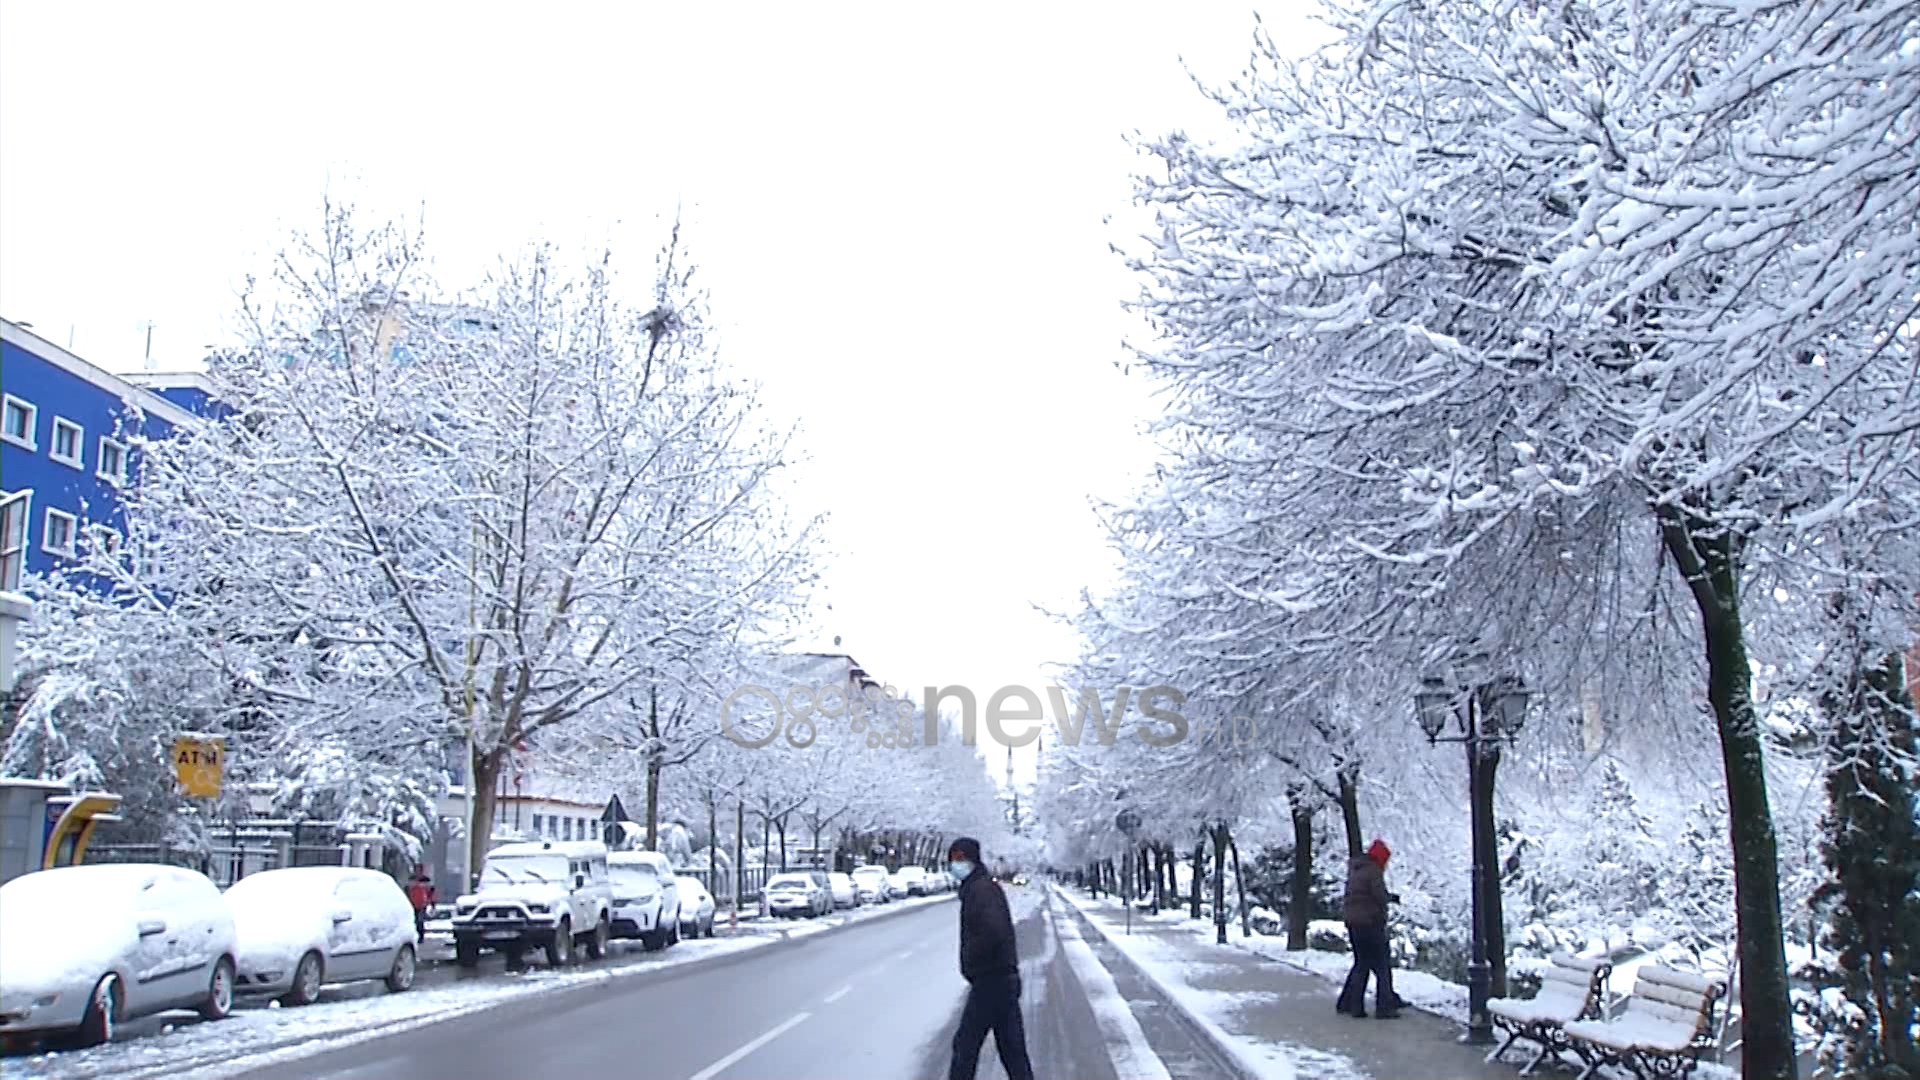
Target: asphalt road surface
[(871, 1002)]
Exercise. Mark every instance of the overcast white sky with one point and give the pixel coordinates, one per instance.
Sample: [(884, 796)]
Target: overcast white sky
[(899, 212)]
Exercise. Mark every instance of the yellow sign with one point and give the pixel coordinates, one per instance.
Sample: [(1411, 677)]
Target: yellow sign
[(197, 762)]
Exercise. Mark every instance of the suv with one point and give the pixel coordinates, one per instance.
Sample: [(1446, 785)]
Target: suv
[(537, 895), (648, 902)]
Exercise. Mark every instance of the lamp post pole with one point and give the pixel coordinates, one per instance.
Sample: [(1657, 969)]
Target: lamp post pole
[(1486, 712)]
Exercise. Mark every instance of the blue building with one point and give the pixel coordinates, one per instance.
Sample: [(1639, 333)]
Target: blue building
[(64, 457)]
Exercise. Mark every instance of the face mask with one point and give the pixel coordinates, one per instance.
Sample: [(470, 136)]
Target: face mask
[(960, 868)]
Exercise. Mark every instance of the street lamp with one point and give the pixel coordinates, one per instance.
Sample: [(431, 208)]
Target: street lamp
[(1485, 712)]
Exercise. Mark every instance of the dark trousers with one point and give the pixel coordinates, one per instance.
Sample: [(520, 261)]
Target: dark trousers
[(1370, 958), (992, 1005), (420, 924)]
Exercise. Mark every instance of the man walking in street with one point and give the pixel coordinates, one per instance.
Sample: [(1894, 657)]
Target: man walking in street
[(1365, 912), (990, 962)]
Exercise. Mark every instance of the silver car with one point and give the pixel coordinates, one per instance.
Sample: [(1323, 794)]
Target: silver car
[(798, 895), (85, 947)]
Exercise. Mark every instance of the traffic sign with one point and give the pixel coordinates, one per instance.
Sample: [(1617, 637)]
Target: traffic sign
[(198, 761)]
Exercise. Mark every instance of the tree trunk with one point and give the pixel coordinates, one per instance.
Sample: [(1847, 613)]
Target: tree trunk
[(1240, 888), (1709, 559), (713, 842), (653, 805), (1300, 902), (739, 851), (1349, 779), (1170, 859), (1496, 925), (781, 824), (484, 776), (1199, 874), (1220, 883)]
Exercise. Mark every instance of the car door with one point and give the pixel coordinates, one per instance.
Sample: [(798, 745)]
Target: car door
[(353, 943), (178, 970), (145, 991)]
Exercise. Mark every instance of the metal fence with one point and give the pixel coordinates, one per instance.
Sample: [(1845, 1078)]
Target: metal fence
[(753, 880)]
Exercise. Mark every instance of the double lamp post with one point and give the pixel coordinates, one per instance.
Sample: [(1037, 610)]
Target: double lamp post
[(1483, 713)]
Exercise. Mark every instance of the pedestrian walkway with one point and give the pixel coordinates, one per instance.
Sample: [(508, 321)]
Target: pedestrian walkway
[(1278, 1020)]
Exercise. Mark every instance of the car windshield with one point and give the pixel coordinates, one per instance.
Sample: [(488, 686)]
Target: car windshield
[(514, 869), (789, 881)]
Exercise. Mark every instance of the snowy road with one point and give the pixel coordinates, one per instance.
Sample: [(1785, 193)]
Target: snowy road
[(873, 1001), (876, 999)]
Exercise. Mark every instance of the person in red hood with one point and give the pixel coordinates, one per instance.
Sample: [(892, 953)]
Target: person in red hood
[(1365, 912), (420, 893)]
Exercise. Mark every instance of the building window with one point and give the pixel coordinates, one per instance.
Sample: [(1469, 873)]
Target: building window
[(56, 537), (569, 830), (19, 424), (104, 540), (67, 442), (112, 458), (537, 821), (15, 511)]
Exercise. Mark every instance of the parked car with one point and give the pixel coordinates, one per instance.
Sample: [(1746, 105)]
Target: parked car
[(696, 908), (85, 947), (916, 879), (298, 929), (646, 898), (845, 894), (871, 881), (899, 885), (546, 894), (795, 895)]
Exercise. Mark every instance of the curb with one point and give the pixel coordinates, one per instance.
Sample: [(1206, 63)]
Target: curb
[(1201, 1030)]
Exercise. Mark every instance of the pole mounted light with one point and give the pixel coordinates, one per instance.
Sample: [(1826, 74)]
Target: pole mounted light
[(1483, 710)]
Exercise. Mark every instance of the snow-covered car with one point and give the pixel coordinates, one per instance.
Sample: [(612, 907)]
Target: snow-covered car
[(545, 894), (85, 947), (915, 878), (646, 898), (872, 883), (303, 927), (845, 894), (796, 895), (696, 908)]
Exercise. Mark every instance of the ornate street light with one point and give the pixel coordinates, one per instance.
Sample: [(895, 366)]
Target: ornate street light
[(1486, 711)]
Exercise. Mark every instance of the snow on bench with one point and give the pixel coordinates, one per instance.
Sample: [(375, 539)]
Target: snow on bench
[(1572, 988), (1667, 1025)]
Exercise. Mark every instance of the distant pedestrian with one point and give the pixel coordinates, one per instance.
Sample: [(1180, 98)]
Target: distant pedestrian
[(990, 962), (1365, 912), (421, 894)]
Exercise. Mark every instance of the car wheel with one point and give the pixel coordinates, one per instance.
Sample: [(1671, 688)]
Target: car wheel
[(597, 944), (673, 933), (560, 949), (306, 981), (103, 1012), (400, 976), (466, 954), (219, 999)]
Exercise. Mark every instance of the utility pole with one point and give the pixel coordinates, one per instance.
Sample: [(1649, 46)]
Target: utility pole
[(148, 326)]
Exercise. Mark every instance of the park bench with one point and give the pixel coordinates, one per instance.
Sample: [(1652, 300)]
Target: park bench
[(1572, 988), (1667, 1025)]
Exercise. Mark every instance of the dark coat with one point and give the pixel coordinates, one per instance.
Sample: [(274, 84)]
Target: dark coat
[(987, 949), (1366, 901)]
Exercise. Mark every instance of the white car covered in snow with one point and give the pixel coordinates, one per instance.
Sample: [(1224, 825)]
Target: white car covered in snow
[(696, 907), (646, 898), (872, 883), (551, 895), (85, 947), (306, 926)]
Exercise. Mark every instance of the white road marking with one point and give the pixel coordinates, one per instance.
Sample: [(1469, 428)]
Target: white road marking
[(1133, 1057), (722, 1065), (838, 994)]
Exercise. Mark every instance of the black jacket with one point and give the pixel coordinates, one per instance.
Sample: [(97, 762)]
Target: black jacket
[(987, 948), (1367, 896)]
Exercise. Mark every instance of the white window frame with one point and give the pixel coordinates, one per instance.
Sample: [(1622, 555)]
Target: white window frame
[(14, 544), (73, 532), (31, 442), (79, 457), (119, 477)]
